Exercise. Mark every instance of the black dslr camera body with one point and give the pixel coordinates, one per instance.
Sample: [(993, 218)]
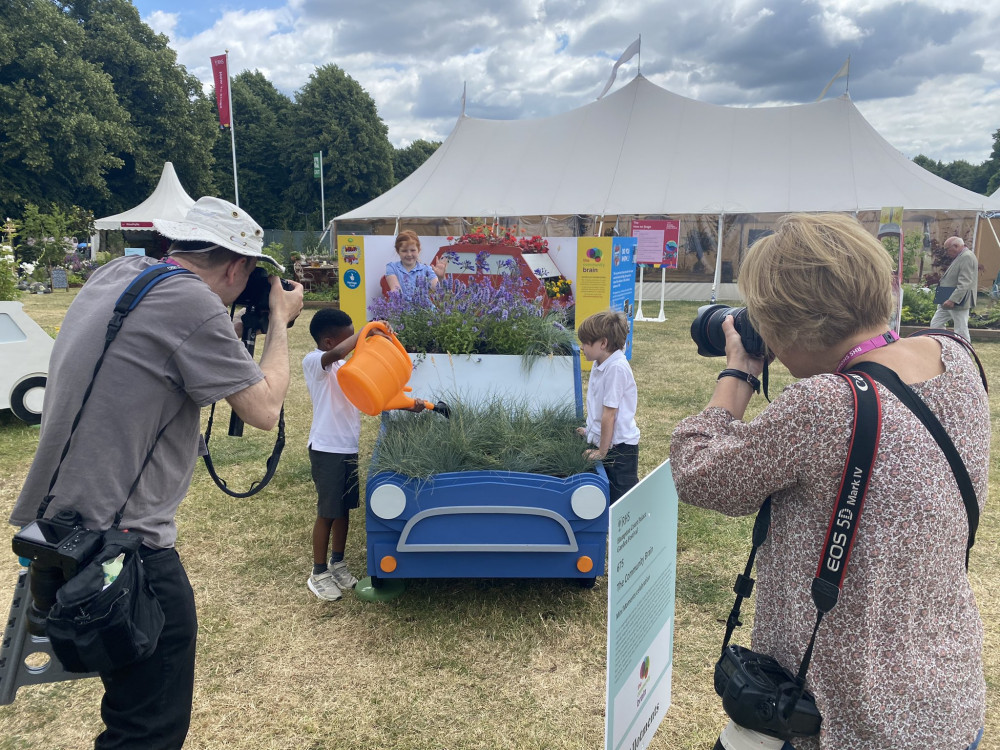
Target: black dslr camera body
[(255, 298), (761, 695), (58, 548), (60, 542), (706, 331)]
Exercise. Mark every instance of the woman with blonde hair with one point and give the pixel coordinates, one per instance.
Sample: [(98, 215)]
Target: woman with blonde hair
[(898, 661)]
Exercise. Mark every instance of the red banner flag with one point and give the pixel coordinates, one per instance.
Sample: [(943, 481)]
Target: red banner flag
[(220, 74)]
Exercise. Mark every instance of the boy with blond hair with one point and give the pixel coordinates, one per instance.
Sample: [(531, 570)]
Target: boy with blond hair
[(611, 400)]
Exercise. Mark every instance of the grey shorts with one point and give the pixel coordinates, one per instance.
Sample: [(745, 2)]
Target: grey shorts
[(336, 478)]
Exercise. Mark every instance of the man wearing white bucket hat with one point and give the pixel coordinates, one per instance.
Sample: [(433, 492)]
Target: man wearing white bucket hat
[(176, 352)]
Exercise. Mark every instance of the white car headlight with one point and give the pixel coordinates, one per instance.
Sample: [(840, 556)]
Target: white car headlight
[(588, 501), (387, 501)]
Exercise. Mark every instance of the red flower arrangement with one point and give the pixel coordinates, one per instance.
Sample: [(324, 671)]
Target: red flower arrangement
[(489, 234)]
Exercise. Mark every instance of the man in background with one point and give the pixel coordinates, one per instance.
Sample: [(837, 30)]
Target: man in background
[(961, 277)]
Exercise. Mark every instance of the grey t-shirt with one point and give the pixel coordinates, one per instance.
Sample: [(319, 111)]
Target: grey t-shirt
[(176, 352)]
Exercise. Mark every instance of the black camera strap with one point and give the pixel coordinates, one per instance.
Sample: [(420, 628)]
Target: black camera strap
[(865, 432), (866, 428), (911, 400), (133, 294), (844, 519)]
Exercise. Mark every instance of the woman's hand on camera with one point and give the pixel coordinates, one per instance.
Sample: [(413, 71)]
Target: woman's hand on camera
[(736, 356)]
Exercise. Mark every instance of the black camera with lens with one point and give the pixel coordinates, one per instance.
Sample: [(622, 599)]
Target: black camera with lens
[(58, 547), (255, 298), (707, 333), (59, 542), (762, 696)]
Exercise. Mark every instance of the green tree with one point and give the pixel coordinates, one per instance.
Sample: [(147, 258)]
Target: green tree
[(261, 115), (61, 123), (405, 161), (45, 235), (992, 166), (962, 173), (171, 118), (333, 114)]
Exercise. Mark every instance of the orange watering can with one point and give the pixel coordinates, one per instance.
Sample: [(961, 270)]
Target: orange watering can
[(374, 378)]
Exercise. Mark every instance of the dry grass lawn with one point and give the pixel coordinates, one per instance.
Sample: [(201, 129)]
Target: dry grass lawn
[(453, 664)]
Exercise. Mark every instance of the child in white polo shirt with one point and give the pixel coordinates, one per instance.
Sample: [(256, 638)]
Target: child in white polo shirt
[(611, 400)]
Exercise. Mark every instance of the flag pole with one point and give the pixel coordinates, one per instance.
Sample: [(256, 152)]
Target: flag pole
[(322, 197), (232, 131)]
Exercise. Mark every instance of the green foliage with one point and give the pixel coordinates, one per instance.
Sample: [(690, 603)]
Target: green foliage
[(985, 317), (263, 150), (918, 305), (970, 176), (405, 161), (913, 245), (323, 293), (8, 279), (45, 235), (490, 435), (333, 114), (63, 125), (169, 116), (480, 318)]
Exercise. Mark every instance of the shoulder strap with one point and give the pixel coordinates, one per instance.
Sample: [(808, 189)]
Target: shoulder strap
[(133, 294), (844, 519), (914, 403), (961, 340)]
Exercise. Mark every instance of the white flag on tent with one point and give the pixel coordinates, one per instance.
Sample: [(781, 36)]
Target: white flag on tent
[(631, 51), (845, 70)]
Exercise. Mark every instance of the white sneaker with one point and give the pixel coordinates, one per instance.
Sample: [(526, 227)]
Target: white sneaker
[(342, 575), (324, 586)]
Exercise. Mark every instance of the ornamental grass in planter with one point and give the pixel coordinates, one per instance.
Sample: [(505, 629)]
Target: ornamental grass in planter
[(497, 434)]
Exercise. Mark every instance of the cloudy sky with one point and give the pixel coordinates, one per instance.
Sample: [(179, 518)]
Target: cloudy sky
[(925, 74)]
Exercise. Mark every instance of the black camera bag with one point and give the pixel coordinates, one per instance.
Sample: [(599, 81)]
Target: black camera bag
[(94, 628)]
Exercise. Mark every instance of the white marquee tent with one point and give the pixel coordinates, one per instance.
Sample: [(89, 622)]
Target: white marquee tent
[(168, 201), (646, 152)]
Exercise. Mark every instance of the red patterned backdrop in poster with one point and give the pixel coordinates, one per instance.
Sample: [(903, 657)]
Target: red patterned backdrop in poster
[(656, 242)]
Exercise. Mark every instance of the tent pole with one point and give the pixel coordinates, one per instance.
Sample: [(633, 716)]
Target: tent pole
[(718, 262), (975, 232)]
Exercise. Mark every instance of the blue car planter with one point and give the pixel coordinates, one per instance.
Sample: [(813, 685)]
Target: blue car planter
[(489, 524)]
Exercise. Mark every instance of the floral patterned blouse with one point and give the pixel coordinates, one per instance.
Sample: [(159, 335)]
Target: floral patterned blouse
[(898, 662)]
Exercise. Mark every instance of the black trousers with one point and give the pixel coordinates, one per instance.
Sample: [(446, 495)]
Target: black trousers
[(147, 705), (622, 466)]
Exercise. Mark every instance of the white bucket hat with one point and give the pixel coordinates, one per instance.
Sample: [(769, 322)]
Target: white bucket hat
[(221, 222)]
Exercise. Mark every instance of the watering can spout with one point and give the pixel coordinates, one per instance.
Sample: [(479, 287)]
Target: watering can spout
[(374, 378)]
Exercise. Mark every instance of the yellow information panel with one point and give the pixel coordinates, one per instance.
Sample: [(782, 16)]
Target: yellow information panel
[(593, 278), (351, 268)]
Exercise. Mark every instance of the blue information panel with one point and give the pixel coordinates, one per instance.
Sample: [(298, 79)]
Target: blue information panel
[(642, 573), (623, 282)]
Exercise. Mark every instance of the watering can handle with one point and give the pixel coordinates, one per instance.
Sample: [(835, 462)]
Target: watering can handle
[(381, 326)]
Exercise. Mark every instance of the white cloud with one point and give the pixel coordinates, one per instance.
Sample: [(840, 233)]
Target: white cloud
[(923, 74), (162, 22)]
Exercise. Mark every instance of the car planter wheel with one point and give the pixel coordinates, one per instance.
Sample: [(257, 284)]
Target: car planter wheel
[(26, 399)]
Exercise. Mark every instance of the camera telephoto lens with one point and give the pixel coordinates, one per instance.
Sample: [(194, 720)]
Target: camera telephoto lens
[(707, 333), (43, 583), (735, 737)]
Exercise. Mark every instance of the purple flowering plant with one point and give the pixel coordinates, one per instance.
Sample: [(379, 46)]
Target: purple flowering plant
[(489, 317)]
